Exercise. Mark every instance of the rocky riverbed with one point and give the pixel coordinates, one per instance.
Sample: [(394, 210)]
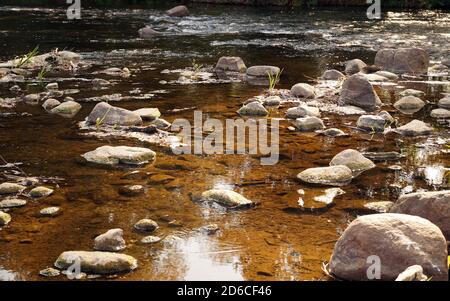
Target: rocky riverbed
[(88, 171)]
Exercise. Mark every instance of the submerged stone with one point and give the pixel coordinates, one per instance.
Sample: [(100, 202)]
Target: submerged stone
[(227, 198), (146, 225)]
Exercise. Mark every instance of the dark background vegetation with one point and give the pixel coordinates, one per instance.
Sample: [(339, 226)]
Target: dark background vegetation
[(293, 3)]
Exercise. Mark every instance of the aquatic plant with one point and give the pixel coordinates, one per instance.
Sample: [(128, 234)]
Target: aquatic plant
[(274, 79), (196, 67), (99, 121), (41, 75), (26, 58)]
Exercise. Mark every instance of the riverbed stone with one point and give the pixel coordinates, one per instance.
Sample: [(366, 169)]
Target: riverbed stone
[(161, 124), (372, 77), (263, 71), (253, 109), (440, 113), (379, 207), (412, 92), (231, 63), (412, 273), (50, 211), (358, 91), (338, 175), (5, 218), (97, 262), (354, 66), (49, 272), (113, 155), (52, 86), (111, 241), (146, 225), (227, 198), (386, 116), (409, 103), (399, 241), (131, 190), (444, 103), (50, 103), (303, 90), (431, 205), (11, 188), (333, 75), (150, 239), (67, 108), (12, 203), (40, 192), (272, 101), (373, 123), (309, 124), (403, 60), (32, 98), (148, 32), (333, 132), (104, 113), (148, 113), (354, 160), (415, 128), (387, 74), (178, 11), (302, 111)]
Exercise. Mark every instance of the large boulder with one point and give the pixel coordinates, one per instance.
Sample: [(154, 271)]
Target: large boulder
[(333, 176), (308, 124), (398, 240), (178, 11), (353, 160), (104, 113), (227, 198), (358, 91), (432, 205), (111, 241), (354, 66), (415, 128), (97, 262), (113, 155), (403, 60), (303, 90), (231, 63)]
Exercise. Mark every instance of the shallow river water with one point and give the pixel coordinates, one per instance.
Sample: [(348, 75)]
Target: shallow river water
[(277, 240)]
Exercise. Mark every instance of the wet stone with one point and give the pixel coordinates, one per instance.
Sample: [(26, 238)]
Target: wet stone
[(372, 123), (333, 176), (40, 192), (227, 198), (50, 211), (210, 229), (409, 104), (11, 188), (412, 92), (131, 190), (302, 111), (440, 113), (111, 241), (146, 225), (148, 113), (415, 128), (5, 218), (354, 160), (444, 103), (379, 207), (49, 272), (150, 239), (309, 124), (253, 109), (12, 203), (303, 90), (383, 156), (110, 155), (50, 103), (333, 132)]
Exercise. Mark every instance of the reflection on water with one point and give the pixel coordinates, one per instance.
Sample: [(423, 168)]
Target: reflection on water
[(279, 239)]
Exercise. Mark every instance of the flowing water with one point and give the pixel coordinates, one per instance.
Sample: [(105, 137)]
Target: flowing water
[(277, 240)]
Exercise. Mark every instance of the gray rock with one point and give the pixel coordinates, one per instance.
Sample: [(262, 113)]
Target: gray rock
[(399, 241), (272, 101), (161, 124), (150, 239), (50, 211), (415, 128), (412, 273), (97, 262), (371, 123), (104, 113), (178, 11), (432, 205), (146, 225), (113, 155), (353, 160), (227, 198), (409, 104), (148, 113), (67, 108), (12, 203), (333, 75), (52, 86), (11, 188), (50, 103), (111, 241), (444, 103), (354, 66), (302, 111), (5, 218), (303, 90), (309, 124), (32, 98), (147, 33), (403, 60), (40, 192), (263, 71), (253, 109), (358, 91), (231, 63), (333, 132), (412, 92), (333, 176), (440, 113)]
